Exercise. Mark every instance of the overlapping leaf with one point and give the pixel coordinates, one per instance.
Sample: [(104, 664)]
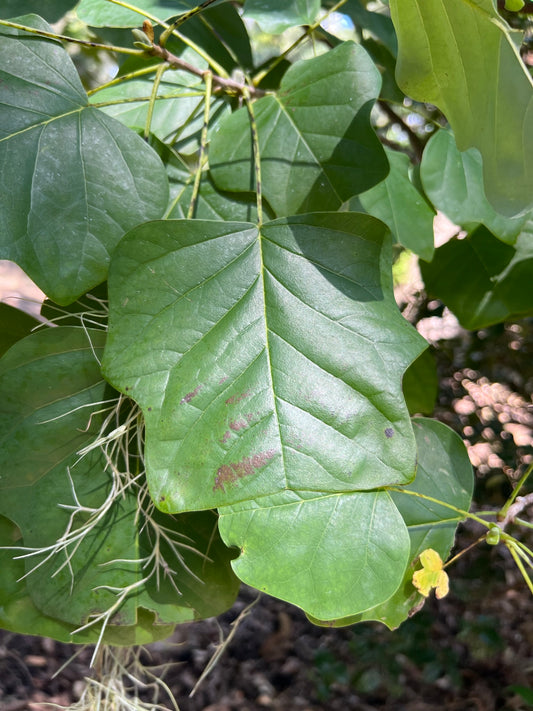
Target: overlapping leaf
[(481, 279), (460, 56), (78, 179), (453, 181), (263, 361), (316, 143), (332, 556), (444, 474), (398, 203), (44, 477)]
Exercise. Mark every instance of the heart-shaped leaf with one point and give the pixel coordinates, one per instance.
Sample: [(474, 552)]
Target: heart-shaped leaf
[(78, 179), (264, 360), (316, 143)]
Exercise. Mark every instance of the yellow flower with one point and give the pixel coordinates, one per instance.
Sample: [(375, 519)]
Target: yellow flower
[(431, 575)]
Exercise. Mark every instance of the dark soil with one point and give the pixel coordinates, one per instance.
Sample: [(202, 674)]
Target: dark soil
[(471, 650)]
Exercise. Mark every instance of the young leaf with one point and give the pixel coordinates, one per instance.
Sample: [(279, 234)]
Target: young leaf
[(316, 143), (460, 56), (78, 179)]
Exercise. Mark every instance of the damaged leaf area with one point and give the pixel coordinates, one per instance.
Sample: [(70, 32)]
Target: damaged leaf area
[(265, 362)]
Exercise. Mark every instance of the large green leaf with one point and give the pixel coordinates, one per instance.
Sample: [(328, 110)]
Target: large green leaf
[(78, 179), (316, 143), (333, 556), (263, 360), (481, 279), (50, 10), (104, 13), (398, 203), (275, 16), (50, 384), (453, 181), (444, 473), (460, 56)]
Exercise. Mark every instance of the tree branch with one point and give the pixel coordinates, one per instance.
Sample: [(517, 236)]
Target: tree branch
[(228, 85)]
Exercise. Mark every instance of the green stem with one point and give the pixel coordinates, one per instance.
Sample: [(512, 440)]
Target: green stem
[(134, 99), (309, 31), (155, 87), (520, 567), (208, 77), (65, 38), (256, 158), (124, 77), (463, 514), (515, 492)]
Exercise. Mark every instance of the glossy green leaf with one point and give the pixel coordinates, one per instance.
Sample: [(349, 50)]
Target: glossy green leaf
[(453, 181), (103, 13), (263, 360), (397, 202), (460, 56), (50, 10), (481, 279), (445, 474), (77, 179), (275, 16), (316, 143), (14, 325), (44, 473), (332, 556), (421, 384)]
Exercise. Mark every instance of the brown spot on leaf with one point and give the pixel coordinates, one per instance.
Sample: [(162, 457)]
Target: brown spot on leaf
[(389, 432), (225, 437), (230, 473), (189, 396), (237, 398)]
